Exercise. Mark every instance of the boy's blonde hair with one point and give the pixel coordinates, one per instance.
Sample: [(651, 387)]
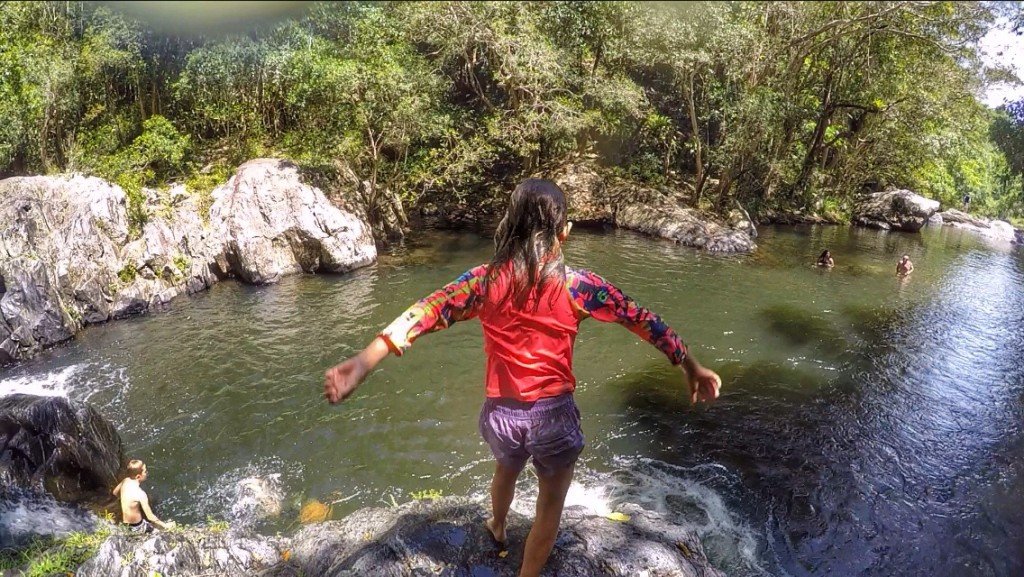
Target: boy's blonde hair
[(135, 468)]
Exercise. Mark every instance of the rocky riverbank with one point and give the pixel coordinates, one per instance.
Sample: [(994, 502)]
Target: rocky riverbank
[(598, 198), (997, 230), (70, 257)]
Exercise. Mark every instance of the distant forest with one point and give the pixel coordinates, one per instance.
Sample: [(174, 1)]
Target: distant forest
[(779, 105)]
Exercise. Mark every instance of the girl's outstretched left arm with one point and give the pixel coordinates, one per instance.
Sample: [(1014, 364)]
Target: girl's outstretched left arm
[(456, 301), (600, 299)]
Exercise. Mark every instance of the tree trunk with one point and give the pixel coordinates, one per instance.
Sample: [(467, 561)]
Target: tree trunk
[(699, 176), (810, 159)]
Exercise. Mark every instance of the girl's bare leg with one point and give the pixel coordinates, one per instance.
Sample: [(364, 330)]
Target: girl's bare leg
[(545, 527), (503, 490)]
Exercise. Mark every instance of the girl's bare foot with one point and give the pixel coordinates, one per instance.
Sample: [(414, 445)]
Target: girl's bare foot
[(497, 531)]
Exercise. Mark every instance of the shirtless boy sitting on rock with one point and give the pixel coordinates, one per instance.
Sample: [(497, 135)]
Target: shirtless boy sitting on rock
[(135, 511)]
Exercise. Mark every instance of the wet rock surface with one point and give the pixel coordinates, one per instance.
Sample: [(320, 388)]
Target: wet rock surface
[(448, 537), (190, 552), (63, 447), (685, 226), (998, 230), (443, 537)]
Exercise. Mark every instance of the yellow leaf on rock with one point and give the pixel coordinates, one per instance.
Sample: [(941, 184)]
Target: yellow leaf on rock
[(314, 512), (616, 516), (503, 554), (686, 550), (286, 554)]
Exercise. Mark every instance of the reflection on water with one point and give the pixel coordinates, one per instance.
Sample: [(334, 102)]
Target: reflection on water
[(868, 425)]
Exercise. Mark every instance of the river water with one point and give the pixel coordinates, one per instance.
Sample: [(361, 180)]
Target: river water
[(868, 425)]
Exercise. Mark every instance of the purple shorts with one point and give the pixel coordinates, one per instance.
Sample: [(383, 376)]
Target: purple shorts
[(547, 430)]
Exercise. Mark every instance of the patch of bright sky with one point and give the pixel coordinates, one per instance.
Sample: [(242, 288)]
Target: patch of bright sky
[(1002, 46)]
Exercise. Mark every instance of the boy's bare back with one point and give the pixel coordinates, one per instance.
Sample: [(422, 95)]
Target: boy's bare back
[(134, 501), (132, 497)]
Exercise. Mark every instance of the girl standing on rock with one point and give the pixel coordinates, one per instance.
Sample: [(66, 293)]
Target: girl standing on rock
[(530, 305)]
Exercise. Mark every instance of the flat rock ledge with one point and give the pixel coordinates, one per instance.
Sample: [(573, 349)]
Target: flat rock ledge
[(443, 537), (595, 197), (69, 256), (997, 230), (685, 226), (894, 210)]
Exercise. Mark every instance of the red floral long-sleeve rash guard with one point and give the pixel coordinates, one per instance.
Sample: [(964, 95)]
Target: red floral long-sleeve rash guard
[(529, 348)]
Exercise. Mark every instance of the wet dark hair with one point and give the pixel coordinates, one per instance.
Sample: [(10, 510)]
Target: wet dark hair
[(135, 468), (824, 254), (527, 237)]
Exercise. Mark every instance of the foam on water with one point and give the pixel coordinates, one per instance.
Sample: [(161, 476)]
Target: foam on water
[(49, 384), (689, 497), (684, 496), (24, 517), (246, 495)]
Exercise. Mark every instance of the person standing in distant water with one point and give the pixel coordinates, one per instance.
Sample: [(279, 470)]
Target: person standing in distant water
[(904, 267), (825, 260), (135, 511)]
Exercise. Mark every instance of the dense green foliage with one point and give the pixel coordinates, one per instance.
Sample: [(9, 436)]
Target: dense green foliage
[(785, 105)]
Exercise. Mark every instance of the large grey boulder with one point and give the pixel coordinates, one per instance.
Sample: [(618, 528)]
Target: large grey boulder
[(63, 447), (448, 537), (188, 552), (68, 257), (894, 210), (685, 226), (274, 224)]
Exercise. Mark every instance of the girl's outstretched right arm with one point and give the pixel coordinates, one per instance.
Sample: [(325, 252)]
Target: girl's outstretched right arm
[(341, 380), (456, 301)]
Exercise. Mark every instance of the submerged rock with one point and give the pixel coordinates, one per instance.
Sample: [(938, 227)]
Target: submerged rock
[(894, 210), (273, 224), (256, 498), (62, 446)]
